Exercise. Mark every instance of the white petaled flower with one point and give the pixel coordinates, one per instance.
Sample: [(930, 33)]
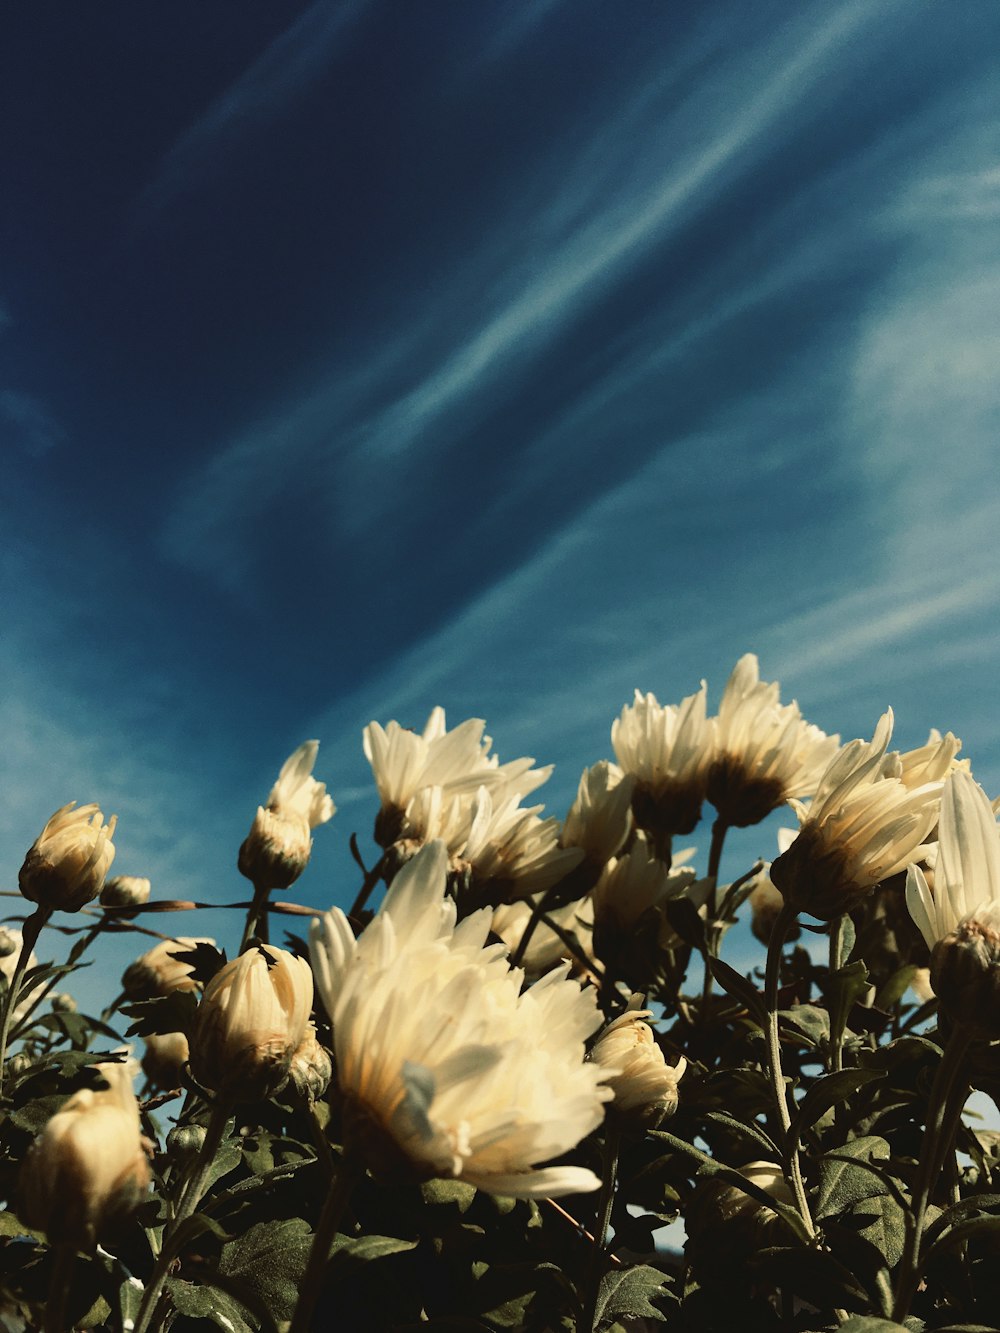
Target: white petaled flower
[(765, 900), (667, 749), (862, 826), (512, 853), (279, 844), (644, 1085), (125, 891), (765, 751), (446, 1067), (931, 762), (167, 967), (89, 1167), (960, 917), (11, 941), (66, 865), (164, 1058), (545, 948), (600, 819), (251, 1020), (633, 884)]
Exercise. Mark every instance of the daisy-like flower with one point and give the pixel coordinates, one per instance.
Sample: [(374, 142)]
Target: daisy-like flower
[(600, 819), (862, 826), (66, 865), (163, 968), (960, 917), (446, 1067), (633, 884), (278, 846), (125, 891), (89, 1167), (765, 900), (545, 948), (251, 1020), (765, 751), (931, 762), (667, 749), (644, 1085), (511, 852)]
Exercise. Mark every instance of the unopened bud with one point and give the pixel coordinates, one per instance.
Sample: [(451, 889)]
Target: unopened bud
[(727, 1225), (19, 1064), (164, 1059), (965, 974), (66, 865), (162, 969), (766, 903), (184, 1142), (125, 891), (251, 1020), (311, 1067), (276, 850)]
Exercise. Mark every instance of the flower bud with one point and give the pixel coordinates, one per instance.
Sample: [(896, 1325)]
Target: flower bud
[(965, 973), (311, 1067), (125, 891), (644, 1085), (66, 865), (726, 1225), (162, 969), (10, 944), (184, 1142), (88, 1168), (251, 1020), (11, 940), (278, 846), (164, 1059)]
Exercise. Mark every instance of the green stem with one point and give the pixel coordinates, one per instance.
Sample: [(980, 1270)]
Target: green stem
[(932, 1152), (609, 1175), (836, 1061), (330, 1218), (256, 922), (60, 1282), (29, 938), (194, 1188), (370, 880), (719, 830), (781, 928)]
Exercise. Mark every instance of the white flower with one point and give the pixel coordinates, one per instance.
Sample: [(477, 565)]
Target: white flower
[(931, 762), (667, 750), (66, 865), (862, 826), (511, 852), (644, 1085), (250, 1022), (11, 941), (633, 884), (445, 1065), (545, 948), (967, 866), (164, 1058), (600, 819), (88, 1166), (765, 751), (163, 969), (278, 846), (125, 891)]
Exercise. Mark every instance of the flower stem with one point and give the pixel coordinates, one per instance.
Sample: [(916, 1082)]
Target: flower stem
[(256, 922), (191, 1193), (836, 962), (60, 1281), (330, 1218), (719, 830), (936, 1143), (781, 928), (29, 937), (537, 908), (609, 1176)]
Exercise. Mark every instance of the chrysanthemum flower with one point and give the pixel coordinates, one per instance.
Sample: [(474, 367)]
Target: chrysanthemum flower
[(667, 750), (66, 865), (765, 751), (633, 884), (279, 844), (931, 762), (644, 1085), (861, 827), (163, 968), (600, 819), (445, 1066), (545, 948), (960, 917), (11, 942)]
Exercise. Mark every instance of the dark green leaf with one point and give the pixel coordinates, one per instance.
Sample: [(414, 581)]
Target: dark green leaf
[(866, 1323), (682, 914), (844, 1179), (882, 1221), (204, 1301), (747, 1129), (827, 1092), (165, 1013), (739, 987), (366, 1248), (270, 1260), (842, 990), (628, 1293)]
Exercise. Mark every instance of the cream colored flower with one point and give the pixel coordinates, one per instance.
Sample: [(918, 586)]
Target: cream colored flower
[(125, 891), (311, 1067), (88, 1168), (163, 969), (600, 819), (765, 900), (66, 865), (250, 1022), (765, 751), (667, 750), (511, 853), (644, 1085), (861, 827), (445, 1066), (931, 762), (11, 941), (545, 948), (634, 884), (279, 844), (164, 1059)]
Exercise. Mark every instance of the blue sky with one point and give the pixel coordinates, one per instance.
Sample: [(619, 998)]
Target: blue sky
[(357, 358)]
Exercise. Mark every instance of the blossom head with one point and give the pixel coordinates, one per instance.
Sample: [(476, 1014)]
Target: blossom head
[(250, 1022), (765, 751), (66, 865), (125, 891), (445, 1066), (167, 967), (644, 1085), (667, 750), (164, 1059), (11, 940), (960, 917), (863, 825), (88, 1168), (600, 819), (278, 846)]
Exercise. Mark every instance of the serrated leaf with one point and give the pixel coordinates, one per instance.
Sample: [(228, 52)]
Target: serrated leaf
[(205, 1301), (163, 1014), (628, 1293), (843, 1181), (270, 1260), (841, 991)]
